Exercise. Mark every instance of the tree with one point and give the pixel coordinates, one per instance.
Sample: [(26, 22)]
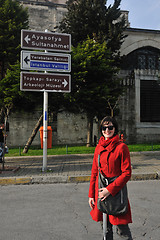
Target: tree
[(10, 94), (93, 80), (92, 18), (34, 132), (12, 98), (13, 18), (9, 90), (84, 18)]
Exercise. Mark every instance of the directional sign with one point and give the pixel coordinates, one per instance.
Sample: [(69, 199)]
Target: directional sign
[(45, 61), (59, 42), (32, 81)]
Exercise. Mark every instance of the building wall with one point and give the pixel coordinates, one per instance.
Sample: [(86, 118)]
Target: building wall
[(126, 106), (71, 128), (21, 125), (137, 38), (67, 128), (131, 126), (145, 131), (44, 14), (135, 130)]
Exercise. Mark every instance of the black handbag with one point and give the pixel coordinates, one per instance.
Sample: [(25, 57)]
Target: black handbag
[(112, 205)]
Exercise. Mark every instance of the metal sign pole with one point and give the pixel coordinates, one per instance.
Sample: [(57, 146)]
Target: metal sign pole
[(104, 226), (45, 123)]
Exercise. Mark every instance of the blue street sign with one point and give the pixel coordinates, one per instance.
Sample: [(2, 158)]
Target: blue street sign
[(45, 61), (49, 66)]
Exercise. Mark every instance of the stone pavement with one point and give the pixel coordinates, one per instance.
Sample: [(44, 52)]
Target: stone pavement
[(71, 168)]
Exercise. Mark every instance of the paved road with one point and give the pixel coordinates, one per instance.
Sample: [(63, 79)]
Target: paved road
[(61, 211)]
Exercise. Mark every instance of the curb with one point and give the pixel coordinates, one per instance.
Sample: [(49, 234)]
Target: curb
[(144, 176), (146, 153), (15, 181), (135, 177), (67, 179), (79, 179)]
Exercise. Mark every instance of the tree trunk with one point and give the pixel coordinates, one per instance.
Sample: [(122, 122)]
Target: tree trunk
[(34, 132), (89, 131), (1, 115)]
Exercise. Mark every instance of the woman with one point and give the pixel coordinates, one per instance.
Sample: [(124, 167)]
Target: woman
[(115, 161)]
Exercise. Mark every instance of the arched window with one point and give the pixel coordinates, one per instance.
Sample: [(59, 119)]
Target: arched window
[(142, 58)]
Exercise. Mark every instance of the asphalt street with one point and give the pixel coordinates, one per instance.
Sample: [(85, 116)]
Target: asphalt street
[(61, 211)]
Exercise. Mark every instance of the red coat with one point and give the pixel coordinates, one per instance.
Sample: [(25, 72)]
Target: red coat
[(115, 161)]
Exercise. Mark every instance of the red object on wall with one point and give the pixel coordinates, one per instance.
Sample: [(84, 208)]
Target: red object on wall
[(122, 138)]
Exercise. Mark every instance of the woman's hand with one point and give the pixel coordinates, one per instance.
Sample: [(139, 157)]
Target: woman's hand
[(103, 193), (91, 203)]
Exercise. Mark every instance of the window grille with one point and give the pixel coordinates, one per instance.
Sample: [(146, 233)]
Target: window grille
[(149, 101)]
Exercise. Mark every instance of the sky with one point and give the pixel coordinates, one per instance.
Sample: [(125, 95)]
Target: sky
[(144, 14)]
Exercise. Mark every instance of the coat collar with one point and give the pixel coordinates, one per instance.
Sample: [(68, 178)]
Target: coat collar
[(108, 145)]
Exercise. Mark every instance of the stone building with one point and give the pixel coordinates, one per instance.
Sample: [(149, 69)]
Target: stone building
[(140, 105), (44, 14)]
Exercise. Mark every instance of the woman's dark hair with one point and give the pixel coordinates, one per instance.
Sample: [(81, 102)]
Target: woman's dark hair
[(106, 120)]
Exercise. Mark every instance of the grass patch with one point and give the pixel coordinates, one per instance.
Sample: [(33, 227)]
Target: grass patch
[(62, 150), (144, 147)]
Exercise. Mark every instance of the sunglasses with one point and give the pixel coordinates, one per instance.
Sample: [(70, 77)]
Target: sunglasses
[(109, 128)]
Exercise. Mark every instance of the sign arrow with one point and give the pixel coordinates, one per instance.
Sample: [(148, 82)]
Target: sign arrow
[(34, 81), (26, 60), (65, 83), (27, 39), (60, 42)]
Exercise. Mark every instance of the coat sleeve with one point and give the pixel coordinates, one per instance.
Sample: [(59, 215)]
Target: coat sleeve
[(117, 185), (94, 173)]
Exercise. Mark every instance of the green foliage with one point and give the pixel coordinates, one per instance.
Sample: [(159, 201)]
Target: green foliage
[(115, 26), (56, 102), (62, 150), (9, 86), (13, 18), (94, 68), (93, 77), (84, 18), (92, 18), (10, 94)]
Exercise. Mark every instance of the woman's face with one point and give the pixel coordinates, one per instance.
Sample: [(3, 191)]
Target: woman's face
[(108, 130)]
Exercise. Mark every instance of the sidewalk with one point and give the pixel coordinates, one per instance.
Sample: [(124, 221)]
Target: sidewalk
[(71, 168)]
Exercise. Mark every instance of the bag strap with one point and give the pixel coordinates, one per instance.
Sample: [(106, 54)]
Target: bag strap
[(99, 165), (99, 160), (101, 174)]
